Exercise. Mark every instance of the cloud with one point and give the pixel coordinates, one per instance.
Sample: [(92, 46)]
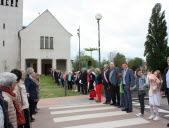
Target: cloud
[(123, 26)]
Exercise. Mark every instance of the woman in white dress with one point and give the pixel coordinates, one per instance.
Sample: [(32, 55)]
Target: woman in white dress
[(154, 94)]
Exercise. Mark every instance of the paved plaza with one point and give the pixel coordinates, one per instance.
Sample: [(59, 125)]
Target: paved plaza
[(79, 112)]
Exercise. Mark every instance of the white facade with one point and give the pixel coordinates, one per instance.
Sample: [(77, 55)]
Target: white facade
[(45, 25), (20, 48), (10, 25)]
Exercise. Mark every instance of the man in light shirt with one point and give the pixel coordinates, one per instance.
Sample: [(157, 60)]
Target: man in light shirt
[(165, 85)]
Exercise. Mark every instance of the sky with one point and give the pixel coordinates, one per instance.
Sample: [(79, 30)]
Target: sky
[(123, 27)]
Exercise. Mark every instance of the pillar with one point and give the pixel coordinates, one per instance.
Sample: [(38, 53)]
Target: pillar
[(23, 64), (54, 63), (39, 66)]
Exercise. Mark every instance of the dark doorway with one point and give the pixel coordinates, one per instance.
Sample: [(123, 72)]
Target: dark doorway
[(46, 65)]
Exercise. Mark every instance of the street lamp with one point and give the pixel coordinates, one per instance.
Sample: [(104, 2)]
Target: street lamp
[(78, 33), (98, 18)]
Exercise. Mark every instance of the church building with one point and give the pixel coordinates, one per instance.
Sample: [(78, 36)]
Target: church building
[(43, 44)]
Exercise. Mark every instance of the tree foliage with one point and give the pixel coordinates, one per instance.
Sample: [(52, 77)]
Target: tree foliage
[(135, 63), (156, 49), (84, 62), (118, 60)]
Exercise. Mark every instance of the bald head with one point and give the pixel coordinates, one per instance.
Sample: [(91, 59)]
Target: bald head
[(111, 65)]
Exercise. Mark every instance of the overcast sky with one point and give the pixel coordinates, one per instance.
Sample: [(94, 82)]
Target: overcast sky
[(123, 25)]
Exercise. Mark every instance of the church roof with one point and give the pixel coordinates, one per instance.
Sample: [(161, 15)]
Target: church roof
[(46, 11)]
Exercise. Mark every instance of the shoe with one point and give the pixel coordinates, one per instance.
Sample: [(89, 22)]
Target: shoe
[(32, 119), (37, 108), (151, 117), (129, 111), (156, 118), (168, 125), (34, 112), (113, 104), (124, 109), (91, 98), (98, 101), (106, 103), (139, 114)]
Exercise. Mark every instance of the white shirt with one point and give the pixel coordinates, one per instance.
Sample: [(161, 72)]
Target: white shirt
[(124, 75), (167, 79)]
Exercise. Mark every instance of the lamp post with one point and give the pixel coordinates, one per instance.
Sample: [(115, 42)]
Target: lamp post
[(98, 18), (78, 33)]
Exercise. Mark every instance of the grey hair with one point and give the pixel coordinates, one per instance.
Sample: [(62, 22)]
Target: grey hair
[(7, 79), (30, 70), (106, 65), (90, 70), (112, 63), (168, 57)]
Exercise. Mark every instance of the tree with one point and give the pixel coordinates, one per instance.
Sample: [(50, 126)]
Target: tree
[(84, 62), (118, 60), (156, 49), (135, 63), (91, 50)]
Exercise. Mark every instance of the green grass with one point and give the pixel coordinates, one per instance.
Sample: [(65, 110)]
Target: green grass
[(49, 89)]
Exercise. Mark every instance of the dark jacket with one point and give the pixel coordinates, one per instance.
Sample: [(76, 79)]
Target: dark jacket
[(84, 77), (114, 78), (91, 78), (98, 78), (164, 85), (31, 88), (4, 105), (129, 78), (107, 77)]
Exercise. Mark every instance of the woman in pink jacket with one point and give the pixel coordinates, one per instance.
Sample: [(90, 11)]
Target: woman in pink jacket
[(154, 94)]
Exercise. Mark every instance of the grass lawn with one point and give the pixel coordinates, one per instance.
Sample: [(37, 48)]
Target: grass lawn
[(49, 89)]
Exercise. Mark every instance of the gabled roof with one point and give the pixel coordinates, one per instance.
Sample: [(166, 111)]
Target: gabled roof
[(47, 11)]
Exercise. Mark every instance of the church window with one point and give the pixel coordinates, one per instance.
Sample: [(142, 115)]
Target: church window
[(16, 4), (11, 2), (7, 2), (46, 42), (51, 42), (2, 2), (3, 43), (42, 42), (3, 25)]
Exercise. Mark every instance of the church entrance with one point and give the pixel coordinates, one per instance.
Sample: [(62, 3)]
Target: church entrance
[(46, 65)]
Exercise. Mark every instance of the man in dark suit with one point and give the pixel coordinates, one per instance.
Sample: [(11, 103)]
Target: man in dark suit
[(128, 83), (106, 84), (114, 84), (31, 90), (84, 80), (165, 85), (56, 74)]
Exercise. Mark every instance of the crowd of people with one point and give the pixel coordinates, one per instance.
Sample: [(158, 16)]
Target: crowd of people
[(19, 95), (118, 86)]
